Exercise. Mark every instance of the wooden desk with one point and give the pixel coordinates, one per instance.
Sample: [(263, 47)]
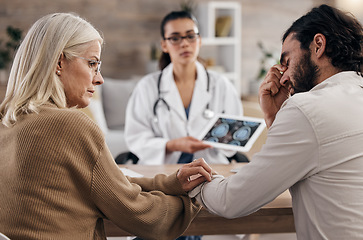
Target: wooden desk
[(275, 217)]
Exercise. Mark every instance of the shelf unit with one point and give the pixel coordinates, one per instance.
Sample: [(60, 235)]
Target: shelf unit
[(225, 51)]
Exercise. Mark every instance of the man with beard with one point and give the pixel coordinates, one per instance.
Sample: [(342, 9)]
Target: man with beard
[(313, 107)]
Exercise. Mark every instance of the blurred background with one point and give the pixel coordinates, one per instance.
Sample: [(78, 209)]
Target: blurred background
[(131, 30), (240, 38)]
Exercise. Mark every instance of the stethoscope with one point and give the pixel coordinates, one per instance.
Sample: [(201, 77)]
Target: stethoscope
[(208, 113)]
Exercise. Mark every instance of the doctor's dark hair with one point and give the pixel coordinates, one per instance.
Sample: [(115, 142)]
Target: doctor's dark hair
[(165, 57), (343, 35)]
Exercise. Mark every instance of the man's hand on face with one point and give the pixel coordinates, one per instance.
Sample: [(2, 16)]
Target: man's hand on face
[(273, 91)]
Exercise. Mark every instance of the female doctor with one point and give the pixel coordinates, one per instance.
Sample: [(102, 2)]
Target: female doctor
[(168, 109)]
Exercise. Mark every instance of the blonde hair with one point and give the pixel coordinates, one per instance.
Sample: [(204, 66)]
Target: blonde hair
[(33, 80)]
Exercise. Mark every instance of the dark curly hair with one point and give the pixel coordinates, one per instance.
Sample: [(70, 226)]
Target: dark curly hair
[(343, 35)]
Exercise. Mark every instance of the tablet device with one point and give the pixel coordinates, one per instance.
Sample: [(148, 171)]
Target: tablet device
[(232, 132)]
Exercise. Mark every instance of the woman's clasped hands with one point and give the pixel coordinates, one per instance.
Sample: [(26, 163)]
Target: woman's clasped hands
[(192, 174)]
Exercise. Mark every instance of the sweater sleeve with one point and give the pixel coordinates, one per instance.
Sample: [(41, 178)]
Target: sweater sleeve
[(167, 184), (150, 215)]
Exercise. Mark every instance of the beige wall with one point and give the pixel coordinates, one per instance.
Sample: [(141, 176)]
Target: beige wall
[(131, 26)]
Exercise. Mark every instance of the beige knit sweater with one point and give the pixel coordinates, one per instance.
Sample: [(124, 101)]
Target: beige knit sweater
[(58, 180)]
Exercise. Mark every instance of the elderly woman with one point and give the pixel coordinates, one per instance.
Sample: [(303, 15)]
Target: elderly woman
[(58, 179)]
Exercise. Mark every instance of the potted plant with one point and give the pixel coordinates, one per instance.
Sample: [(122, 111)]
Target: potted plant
[(7, 50)]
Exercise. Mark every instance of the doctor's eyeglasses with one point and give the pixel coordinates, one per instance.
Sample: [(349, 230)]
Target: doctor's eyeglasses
[(93, 64), (175, 40)]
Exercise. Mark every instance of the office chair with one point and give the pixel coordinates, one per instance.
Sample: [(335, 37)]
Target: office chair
[(124, 157), (239, 157)]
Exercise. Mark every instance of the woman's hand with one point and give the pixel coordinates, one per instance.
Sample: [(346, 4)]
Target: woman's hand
[(186, 144), (192, 174), (273, 93)]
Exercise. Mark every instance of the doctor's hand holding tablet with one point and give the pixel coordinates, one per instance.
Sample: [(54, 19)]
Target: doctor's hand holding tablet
[(232, 132), (224, 131), (186, 144)]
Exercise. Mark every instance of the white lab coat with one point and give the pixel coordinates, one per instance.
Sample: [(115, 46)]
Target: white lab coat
[(147, 138)]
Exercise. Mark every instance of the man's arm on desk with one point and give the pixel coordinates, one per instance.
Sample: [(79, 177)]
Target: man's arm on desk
[(180, 182), (289, 155)]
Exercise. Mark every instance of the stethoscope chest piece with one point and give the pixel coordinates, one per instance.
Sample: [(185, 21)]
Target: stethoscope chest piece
[(208, 114)]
